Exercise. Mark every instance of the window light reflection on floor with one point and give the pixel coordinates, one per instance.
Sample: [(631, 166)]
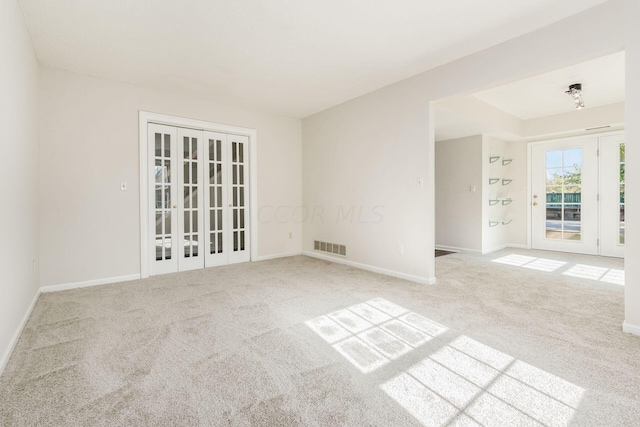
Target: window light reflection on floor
[(602, 274), (461, 383), (371, 334), (614, 276), (540, 264), (470, 383)]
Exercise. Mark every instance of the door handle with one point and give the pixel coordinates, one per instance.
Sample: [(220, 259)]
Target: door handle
[(230, 205), (535, 203), (175, 206)]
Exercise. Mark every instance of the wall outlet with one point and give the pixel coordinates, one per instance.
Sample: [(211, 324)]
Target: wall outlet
[(400, 249), (472, 188), (123, 186), (419, 181)]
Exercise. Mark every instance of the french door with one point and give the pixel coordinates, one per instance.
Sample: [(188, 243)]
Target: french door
[(578, 195), (199, 213)]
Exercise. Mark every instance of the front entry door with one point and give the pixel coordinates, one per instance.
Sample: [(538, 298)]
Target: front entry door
[(564, 184)]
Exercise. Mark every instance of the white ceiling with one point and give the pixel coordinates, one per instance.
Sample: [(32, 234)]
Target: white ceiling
[(294, 57), (543, 95)]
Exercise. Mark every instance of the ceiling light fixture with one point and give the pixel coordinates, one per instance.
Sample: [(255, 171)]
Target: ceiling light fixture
[(575, 90)]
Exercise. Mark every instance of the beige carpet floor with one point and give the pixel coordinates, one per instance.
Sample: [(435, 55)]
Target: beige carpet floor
[(299, 341)]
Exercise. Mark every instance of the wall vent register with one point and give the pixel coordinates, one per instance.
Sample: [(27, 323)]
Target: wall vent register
[(332, 248)]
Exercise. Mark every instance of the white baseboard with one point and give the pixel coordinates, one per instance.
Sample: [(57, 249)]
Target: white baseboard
[(494, 249), (367, 267), (275, 256), (16, 335), (87, 283), (510, 245), (480, 252), (631, 329), (457, 249)]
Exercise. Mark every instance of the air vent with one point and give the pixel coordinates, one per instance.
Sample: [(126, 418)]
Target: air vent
[(332, 248)]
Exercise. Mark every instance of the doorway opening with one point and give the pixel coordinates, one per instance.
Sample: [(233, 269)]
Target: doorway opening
[(520, 166)]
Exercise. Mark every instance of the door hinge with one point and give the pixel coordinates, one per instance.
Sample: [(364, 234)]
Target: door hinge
[(598, 242), (598, 198), (598, 152)]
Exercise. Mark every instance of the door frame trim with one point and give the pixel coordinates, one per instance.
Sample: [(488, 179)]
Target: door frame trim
[(146, 117), (530, 145)]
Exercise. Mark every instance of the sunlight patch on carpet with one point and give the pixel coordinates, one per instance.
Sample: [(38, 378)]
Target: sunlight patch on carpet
[(373, 333), (540, 264), (582, 271), (469, 383)]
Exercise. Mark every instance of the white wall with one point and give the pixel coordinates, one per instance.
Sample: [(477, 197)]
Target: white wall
[(458, 210), (462, 216), (369, 150), (365, 156), (89, 144), (495, 237), (517, 210), (515, 232), (632, 196), (575, 122), (18, 174)]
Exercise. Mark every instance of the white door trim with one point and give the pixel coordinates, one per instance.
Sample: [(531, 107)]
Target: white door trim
[(144, 119)]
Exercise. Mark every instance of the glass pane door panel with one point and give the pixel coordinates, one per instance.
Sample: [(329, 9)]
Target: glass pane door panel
[(162, 196), (216, 183), (190, 192), (564, 193), (238, 191)]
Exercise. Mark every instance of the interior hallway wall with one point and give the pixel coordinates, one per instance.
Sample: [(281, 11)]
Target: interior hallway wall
[(18, 174), (90, 229), (459, 209)]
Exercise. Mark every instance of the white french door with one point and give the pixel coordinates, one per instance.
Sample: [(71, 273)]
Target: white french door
[(163, 212), (199, 199), (577, 188), (227, 199), (190, 216)]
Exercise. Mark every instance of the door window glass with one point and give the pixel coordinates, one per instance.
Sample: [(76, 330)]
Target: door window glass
[(563, 203)]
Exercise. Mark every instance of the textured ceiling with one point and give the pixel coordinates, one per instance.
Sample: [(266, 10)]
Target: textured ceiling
[(293, 57)]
